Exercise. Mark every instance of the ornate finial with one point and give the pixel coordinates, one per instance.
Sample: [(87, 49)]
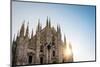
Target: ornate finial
[(47, 23), (27, 30), (14, 38), (65, 40), (39, 26), (22, 29), (64, 37), (57, 27), (32, 33), (38, 21)]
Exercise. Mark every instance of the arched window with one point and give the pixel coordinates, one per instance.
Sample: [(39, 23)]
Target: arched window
[(49, 47), (53, 53), (53, 40), (41, 48)]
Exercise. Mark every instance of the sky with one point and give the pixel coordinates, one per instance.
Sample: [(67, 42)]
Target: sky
[(77, 22)]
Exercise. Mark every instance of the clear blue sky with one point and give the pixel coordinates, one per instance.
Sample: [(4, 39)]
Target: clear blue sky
[(76, 22)]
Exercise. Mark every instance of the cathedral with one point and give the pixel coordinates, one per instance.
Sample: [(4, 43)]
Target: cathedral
[(44, 47)]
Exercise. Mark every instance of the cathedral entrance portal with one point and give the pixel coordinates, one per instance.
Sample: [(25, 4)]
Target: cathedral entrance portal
[(41, 60), (30, 59)]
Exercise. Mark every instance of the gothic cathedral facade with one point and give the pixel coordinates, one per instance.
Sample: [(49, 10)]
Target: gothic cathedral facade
[(44, 47)]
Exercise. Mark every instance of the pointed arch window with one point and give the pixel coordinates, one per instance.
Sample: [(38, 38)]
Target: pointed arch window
[(41, 48), (53, 53)]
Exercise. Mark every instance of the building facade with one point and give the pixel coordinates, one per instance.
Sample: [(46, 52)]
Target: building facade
[(44, 47)]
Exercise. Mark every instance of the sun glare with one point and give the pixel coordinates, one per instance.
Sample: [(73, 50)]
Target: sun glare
[(67, 51)]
